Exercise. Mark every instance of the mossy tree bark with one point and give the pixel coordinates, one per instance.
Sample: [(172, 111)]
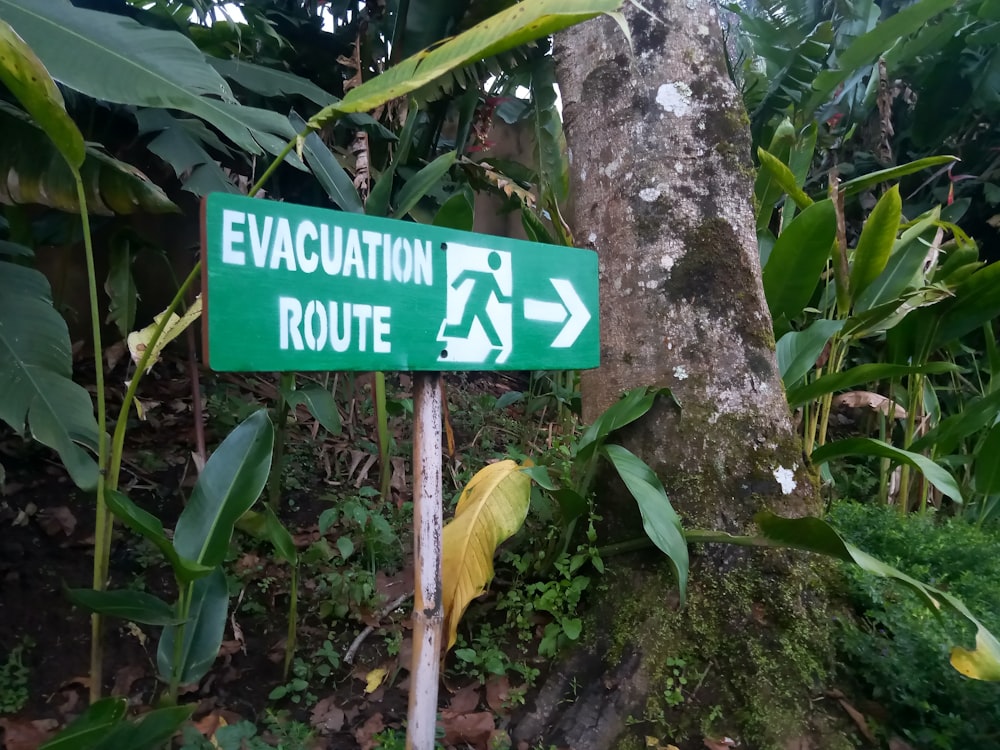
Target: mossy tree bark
[(661, 179)]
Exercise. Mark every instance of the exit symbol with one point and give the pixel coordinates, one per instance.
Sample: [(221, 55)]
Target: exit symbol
[(570, 306)]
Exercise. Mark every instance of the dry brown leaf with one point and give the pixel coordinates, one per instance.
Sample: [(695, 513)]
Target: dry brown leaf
[(125, 678), (470, 729), (365, 734), (58, 520), (465, 700), (897, 744), (498, 694), (868, 400), (722, 744), (26, 735), (327, 716)]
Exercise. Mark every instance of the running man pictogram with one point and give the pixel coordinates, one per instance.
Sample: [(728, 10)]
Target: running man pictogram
[(478, 326)]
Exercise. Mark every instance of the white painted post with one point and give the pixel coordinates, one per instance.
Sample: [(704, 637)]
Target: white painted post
[(428, 616)]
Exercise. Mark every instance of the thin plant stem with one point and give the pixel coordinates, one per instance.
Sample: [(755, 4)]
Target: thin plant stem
[(103, 520), (287, 384), (293, 616), (382, 433)]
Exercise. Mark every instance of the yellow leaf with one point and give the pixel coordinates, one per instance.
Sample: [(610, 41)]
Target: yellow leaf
[(138, 341), (982, 662), (491, 509), (375, 678)]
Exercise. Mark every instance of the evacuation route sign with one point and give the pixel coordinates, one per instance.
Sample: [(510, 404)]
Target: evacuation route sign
[(290, 287)]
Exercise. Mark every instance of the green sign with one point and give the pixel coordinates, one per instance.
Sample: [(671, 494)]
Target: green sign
[(290, 287)]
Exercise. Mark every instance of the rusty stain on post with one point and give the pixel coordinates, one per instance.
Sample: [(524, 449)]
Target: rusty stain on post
[(428, 617)]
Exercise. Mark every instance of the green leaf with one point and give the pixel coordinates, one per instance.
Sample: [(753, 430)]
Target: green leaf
[(975, 415), (661, 522), (784, 178), (113, 58), (977, 300), (838, 381), (149, 732), (934, 473), (504, 31), (14, 250), (30, 83), (267, 526), (36, 370), (418, 186), (540, 476), (149, 527), (866, 48), (320, 403), (815, 535), (136, 606), (987, 466), (345, 546), (870, 180), (230, 483), (91, 726), (550, 141), (766, 186), (333, 177), (120, 286), (797, 351), (630, 407), (269, 82), (203, 632), (875, 244), (39, 174), (798, 258), (906, 261), (456, 213)]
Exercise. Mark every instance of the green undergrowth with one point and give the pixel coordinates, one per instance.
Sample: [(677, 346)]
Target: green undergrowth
[(895, 651)]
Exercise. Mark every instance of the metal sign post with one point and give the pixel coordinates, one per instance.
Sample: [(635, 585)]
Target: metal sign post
[(288, 287)]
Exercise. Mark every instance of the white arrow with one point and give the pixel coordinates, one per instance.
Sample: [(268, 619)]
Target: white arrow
[(556, 312)]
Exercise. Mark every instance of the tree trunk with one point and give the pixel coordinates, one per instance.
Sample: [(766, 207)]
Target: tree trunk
[(661, 180)]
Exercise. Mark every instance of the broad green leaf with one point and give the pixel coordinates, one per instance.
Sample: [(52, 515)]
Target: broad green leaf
[(27, 79), (36, 172), (866, 48), (933, 472), (540, 475), (120, 286), (870, 180), (14, 250), (632, 405), (659, 519), (887, 315), (550, 141), (320, 403), (839, 381), (987, 466), (138, 341), (977, 300), (230, 483), (799, 161), (136, 606), (149, 527), (333, 177), (797, 351), (203, 631), (419, 184), (91, 726), (36, 371), (784, 178), (798, 258), (907, 259), (269, 82), (113, 58), (958, 259), (875, 244), (815, 535), (456, 213), (766, 186), (491, 509), (534, 228), (266, 525), (504, 31), (149, 732)]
